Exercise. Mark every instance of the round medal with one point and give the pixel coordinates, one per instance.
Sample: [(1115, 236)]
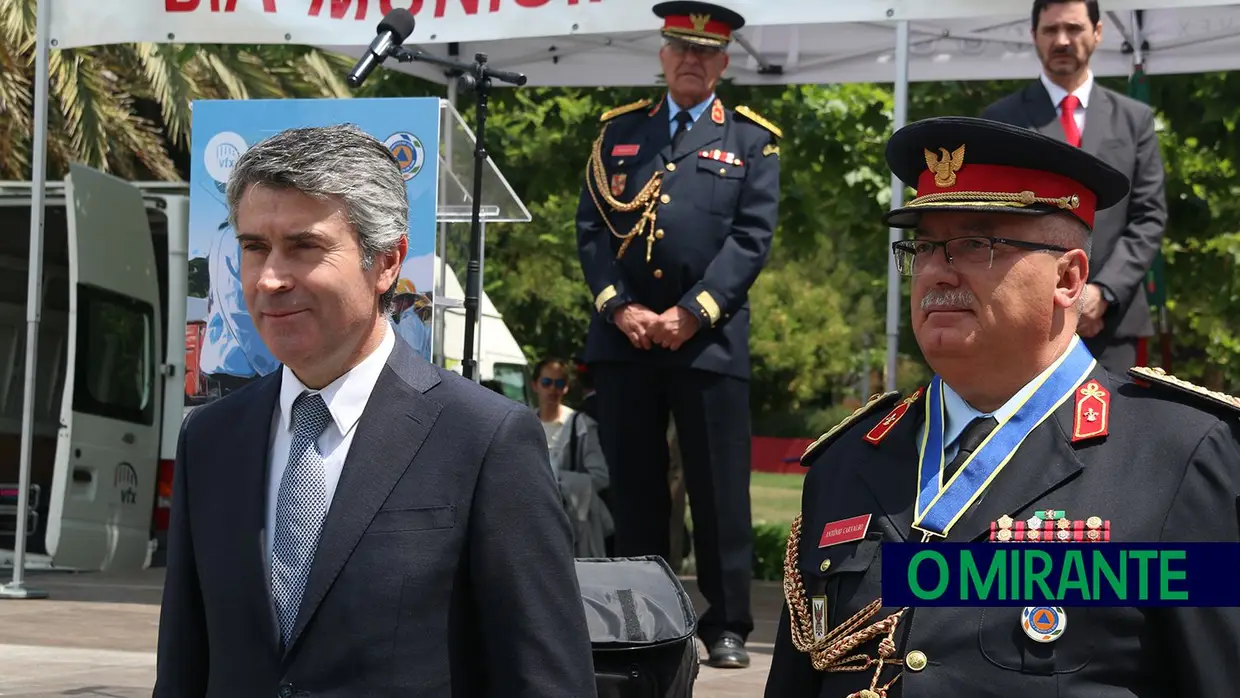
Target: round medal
[(1043, 623)]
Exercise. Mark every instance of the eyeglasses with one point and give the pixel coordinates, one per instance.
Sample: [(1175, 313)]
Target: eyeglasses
[(680, 48), (559, 382), (971, 253)]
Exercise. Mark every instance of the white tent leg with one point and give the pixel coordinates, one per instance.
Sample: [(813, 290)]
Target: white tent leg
[(38, 177), (897, 200), (438, 308)]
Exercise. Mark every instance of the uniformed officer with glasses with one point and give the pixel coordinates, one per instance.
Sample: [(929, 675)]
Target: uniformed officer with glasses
[(674, 225), (998, 257)]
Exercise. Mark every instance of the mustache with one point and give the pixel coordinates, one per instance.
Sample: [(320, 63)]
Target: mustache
[(947, 298)]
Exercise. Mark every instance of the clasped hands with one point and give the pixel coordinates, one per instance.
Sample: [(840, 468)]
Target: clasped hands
[(646, 328), (1093, 308)]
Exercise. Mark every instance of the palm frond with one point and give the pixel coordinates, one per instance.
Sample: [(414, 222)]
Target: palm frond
[(84, 95), (138, 141), (226, 75), (17, 18), (169, 86), (322, 71)]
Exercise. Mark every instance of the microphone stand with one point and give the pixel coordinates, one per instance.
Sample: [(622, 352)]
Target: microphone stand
[(476, 76)]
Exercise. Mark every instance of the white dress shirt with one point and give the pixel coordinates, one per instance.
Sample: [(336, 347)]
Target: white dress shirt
[(1082, 93), (346, 399), (957, 413)]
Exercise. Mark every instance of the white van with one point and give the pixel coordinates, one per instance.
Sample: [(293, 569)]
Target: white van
[(100, 423), (116, 353)]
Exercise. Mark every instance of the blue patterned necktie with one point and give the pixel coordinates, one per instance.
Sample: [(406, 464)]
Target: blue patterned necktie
[(300, 510)]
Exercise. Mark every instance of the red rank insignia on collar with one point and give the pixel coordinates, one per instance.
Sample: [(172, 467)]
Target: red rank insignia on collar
[(879, 432), (1093, 411)]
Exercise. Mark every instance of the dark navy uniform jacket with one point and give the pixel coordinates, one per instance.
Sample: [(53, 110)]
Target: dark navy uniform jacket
[(713, 215), (1166, 470)]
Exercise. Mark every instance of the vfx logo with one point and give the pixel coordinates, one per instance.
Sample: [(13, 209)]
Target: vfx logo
[(125, 479)]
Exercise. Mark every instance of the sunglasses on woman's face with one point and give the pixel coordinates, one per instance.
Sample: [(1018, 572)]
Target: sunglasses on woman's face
[(559, 382)]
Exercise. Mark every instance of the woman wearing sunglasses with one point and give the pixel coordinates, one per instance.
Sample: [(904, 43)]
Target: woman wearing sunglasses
[(576, 459)]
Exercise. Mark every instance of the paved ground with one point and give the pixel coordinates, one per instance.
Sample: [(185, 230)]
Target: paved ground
[(94, 637)]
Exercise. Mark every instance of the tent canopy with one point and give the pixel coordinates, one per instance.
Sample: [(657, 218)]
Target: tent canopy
[(615, 42)]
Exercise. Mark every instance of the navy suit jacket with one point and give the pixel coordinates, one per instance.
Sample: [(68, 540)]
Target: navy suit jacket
[(713, 222), (445, 566)]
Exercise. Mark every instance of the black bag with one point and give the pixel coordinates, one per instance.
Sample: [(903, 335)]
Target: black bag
[(642, 627)]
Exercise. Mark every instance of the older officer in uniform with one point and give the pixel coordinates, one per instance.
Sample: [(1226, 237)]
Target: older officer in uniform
[(674, 224), (999, 262)]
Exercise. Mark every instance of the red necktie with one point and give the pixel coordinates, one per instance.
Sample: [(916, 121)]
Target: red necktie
[(1067, 118)]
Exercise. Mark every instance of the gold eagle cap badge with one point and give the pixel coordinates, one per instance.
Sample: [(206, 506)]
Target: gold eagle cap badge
[(945, 166)]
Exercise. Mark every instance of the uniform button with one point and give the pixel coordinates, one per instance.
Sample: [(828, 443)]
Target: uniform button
[(826, 565), (658, 234), (286, 691), (658, 273), (671, 167), (915, 660), (665, 199)]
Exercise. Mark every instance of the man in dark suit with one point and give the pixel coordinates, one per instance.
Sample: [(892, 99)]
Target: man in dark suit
[(1066, 104), (361, 522), (998, 267), (674, 225)]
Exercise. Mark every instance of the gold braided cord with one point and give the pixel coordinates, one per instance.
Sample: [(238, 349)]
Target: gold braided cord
[(834, 652), (648, 197), (1024, 198)]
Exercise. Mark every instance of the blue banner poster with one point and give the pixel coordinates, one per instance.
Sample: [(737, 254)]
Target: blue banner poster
[(223, 349)]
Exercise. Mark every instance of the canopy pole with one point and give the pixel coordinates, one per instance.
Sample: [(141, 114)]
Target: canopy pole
[(38, 177), (438, 307), (900, 116)]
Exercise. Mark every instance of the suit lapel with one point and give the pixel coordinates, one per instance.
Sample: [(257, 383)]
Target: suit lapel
[(890, 471), (703, 133), (397, 419), (658, 135), (1097, 121), (251, 467), (1041, 112)]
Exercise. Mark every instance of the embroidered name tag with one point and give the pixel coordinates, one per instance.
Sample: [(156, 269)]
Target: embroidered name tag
[(844, 531)]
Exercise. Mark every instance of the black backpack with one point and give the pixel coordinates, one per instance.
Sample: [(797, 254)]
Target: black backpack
[(642, 626)]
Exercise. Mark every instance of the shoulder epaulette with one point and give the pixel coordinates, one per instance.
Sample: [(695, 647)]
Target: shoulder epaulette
[(1157, 376), (759, 120), (613, 113), (878, 401)]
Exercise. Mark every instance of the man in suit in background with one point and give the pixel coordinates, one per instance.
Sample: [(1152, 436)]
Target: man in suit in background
[(674, 225), (360, 522), (1066, 104)]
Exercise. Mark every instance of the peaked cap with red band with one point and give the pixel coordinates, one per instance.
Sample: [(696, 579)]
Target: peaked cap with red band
[(701, 23), (960, 163)]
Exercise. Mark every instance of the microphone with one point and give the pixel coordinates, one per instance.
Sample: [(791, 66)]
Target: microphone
[(396, 26)]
